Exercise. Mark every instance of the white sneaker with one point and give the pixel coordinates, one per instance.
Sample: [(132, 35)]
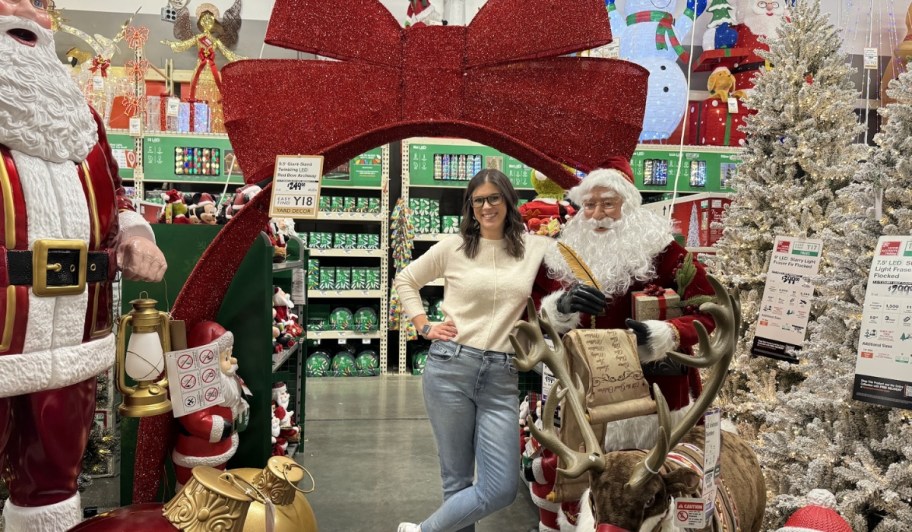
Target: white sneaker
[(408, 527)]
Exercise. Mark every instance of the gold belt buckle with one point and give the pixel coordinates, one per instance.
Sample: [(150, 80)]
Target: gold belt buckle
[(40, 267)]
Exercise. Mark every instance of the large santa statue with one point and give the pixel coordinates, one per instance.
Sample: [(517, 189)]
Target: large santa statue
[(66, 229), (627, 248)]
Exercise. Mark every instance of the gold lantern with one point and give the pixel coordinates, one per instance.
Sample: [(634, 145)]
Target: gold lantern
[(143, 359)]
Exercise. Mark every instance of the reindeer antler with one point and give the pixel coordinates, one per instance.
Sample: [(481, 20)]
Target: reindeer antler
[(716, 353), (555, 358)]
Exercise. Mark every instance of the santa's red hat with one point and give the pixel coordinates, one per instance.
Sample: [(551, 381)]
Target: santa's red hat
[(615, 174), (206, 332), (819, 515)]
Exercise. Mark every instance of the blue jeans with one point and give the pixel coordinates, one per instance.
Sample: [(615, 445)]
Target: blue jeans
[(472, 401)]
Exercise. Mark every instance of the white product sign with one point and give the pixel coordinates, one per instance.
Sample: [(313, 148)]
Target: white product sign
[(193, 379), (883, 367), (712, 451), (785, 307), (870, 58), (296, 186), (172, 108)]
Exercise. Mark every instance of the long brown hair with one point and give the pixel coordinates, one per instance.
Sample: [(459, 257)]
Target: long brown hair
[(513, 225)]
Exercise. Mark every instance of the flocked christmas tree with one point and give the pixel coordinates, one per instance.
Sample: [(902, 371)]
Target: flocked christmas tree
[(693, 231), (800, 150), (859, 451)]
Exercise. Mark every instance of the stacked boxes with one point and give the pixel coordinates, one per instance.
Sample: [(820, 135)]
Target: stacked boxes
[(342, 277), (425, 215), (349, 204)]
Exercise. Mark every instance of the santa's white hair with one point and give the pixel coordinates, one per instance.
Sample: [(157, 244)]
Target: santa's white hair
[(611, 179), (621, 256), (42, 112)]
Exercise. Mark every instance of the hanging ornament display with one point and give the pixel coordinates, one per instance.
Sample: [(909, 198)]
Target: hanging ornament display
[(402, 237)]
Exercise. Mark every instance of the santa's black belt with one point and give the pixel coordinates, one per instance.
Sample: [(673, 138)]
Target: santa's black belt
[(55, 267)]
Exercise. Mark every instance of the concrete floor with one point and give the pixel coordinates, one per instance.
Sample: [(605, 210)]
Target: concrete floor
[(368, 444)]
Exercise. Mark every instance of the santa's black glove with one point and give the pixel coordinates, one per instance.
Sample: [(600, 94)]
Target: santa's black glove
[(581, 298), (227, 430), (640, 329)]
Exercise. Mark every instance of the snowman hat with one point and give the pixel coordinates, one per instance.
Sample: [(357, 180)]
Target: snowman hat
[(615, 174), (819, 515)]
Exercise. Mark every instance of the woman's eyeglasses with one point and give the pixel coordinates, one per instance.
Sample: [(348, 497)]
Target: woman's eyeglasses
[(493, 200)]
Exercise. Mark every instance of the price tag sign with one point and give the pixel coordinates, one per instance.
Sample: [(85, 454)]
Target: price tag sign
[(365, 341), (732, 106), (870, 58), (97, 83), (342, 341), (296, 186), (135, 126), (172, 108)]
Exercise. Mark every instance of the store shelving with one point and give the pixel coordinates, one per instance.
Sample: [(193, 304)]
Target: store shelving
[(363, 178)]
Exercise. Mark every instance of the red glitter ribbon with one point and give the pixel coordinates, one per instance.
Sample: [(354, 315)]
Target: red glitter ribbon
[(100, 63), (500, 81), (206, 58)]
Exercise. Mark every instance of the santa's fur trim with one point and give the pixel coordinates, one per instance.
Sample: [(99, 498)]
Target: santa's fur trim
[(211, 461), (132, 224), (218, 426), (639, 432), (56, 367), (63, 515), (565, 524), (543, 503), (661, 341), (562, 322), (611, 179)]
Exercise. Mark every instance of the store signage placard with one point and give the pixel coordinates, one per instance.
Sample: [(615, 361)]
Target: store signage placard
[(441, 163), (702, 170), (190, 159), (365, 170), (883, 369), (123, 148), (296, 186), (194, 381), (786, 304)]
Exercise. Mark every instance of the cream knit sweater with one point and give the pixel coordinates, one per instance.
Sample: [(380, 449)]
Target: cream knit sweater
[(483, 296)]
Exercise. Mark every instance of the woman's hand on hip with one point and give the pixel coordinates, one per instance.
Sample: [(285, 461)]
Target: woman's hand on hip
[(443, 331)]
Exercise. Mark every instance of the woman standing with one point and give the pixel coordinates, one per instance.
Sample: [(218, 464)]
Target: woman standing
[(471, 388)]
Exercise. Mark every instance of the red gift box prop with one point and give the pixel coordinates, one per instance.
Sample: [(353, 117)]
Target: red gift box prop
[(656, 303), (710, 123)]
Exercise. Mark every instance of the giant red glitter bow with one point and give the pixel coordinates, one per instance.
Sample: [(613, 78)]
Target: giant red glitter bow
[(499, 81)]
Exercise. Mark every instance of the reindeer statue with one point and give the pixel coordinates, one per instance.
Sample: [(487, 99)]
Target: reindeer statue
[(631, 490)]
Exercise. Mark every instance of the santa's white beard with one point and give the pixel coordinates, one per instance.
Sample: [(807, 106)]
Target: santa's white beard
[(618, 257), (231, 391), (42, 112), (763, 24)]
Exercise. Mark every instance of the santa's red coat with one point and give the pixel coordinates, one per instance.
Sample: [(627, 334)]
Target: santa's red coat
[(202, 440), (676, 389)]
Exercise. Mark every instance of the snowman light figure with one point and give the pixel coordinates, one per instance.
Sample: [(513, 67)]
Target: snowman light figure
[(653, 39)]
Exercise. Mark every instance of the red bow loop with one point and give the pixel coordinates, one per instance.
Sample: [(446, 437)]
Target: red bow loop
[(100, 63)]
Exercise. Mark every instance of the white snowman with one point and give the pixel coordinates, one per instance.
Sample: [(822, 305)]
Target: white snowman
[(652, 38)]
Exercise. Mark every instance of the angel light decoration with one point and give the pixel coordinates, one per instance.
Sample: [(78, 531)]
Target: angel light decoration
[(216, 34)]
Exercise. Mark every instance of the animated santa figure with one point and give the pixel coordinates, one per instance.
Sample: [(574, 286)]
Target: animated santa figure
[(66, 230), (627, 248), (209, 436)]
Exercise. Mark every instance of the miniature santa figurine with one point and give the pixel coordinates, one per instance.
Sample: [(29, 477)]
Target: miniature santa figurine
[(281, 398), (423, 13), (68, 228), (209, 436)]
